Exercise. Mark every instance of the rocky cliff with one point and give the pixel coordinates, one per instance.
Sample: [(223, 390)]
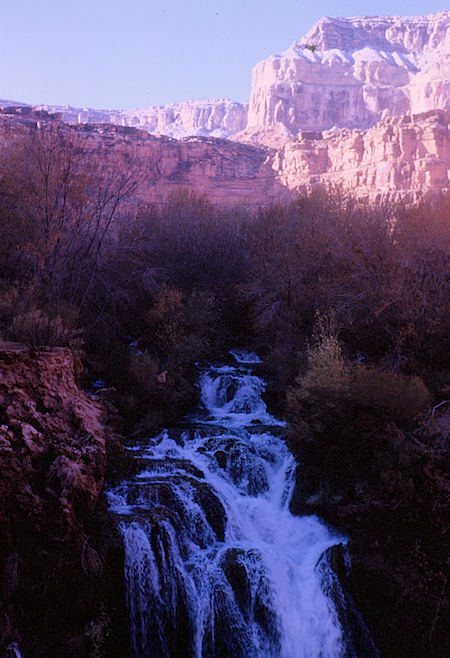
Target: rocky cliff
[(215, 118), (399, 156), (345, 72), (57, 544), (351, 72), (228, 172)]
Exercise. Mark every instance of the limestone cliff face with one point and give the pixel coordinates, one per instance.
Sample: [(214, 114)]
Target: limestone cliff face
[(345, 73), (215, 118), (397, 157), (350, 72), (227, 172), (407, 155)]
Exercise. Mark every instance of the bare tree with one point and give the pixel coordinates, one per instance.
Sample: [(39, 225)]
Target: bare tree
[(58, 201)]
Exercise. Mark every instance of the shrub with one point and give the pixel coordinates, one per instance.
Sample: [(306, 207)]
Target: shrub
[(36, 329), (97, 633), (151, 398), (143, 375), (326, 373), (166, 319), (15, 298), (183, 327), (392, 395)]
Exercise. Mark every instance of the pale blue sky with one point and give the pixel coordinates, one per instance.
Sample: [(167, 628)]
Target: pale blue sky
[(133, 53)]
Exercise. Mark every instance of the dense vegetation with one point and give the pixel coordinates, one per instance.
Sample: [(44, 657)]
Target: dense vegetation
[(347, 301)]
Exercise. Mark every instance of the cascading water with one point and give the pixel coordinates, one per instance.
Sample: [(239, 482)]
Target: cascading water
[(215, 564)]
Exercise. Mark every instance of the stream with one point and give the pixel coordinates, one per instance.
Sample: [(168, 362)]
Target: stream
[(215, 564)]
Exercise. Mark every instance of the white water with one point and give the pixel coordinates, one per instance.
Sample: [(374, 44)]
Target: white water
[(242, 356), (13, 651), (215, 564)]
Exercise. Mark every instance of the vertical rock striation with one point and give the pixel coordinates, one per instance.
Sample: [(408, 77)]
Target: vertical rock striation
[(400, 156), (211, 118), (351, 72)]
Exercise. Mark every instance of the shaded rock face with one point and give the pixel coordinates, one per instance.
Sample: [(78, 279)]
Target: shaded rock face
[(350, 72), (58, 547), (228, 172), (335, 568)]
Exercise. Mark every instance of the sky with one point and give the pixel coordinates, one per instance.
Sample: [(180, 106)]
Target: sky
[(124, 54)]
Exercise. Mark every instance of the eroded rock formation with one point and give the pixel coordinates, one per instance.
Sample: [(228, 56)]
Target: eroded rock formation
[(360, 102), (214, 118), (345, 73), (399, 156), (41, 405), (57, 544), (226, 171), (351, 72)]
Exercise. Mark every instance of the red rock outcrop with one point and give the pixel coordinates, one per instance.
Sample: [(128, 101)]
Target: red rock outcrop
[(399, 156), (226, 171), (45, 417), (403, 156), (57, 543)]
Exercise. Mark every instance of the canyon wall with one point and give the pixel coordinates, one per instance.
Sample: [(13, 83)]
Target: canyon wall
[(399, 156), (345, 73), (351, 72), (226, 171), (215, 118)]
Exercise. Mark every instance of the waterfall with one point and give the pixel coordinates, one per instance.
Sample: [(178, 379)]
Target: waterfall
[(215, 564)]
